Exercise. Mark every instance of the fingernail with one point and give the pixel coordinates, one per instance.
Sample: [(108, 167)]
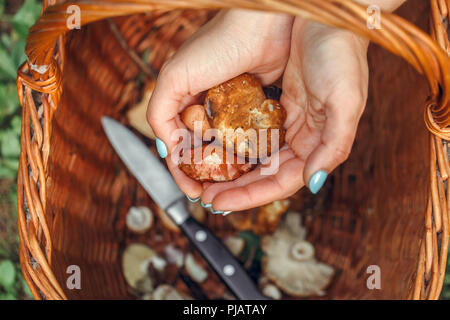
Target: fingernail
[(216, 212), (193, 200), (205, 205), (317, 180), (161, 147), (227, 212)]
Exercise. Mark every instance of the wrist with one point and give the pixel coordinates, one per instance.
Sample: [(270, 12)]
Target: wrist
[(307, 31), (258, 23)]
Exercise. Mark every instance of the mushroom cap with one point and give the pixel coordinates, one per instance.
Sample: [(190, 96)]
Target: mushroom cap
[(195, 119), (212, 163), (135, 260), (269, 216), (238, 106), (271, 291), (195, 271), (297, 277), (260, 220), (174, 255), (234, 244), (139, 219)]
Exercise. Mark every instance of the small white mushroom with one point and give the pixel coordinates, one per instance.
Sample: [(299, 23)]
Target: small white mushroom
[(235, 245), (135, 260), (271, 291), (166, 292), (195, 271), (286, 263), (139, 219), (158, 263), (174, 255)]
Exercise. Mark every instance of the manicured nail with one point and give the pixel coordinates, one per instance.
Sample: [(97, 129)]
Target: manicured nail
[(317, 180), (227, 212), (193, 200), (161, 147), (216, 212), (205, 205)]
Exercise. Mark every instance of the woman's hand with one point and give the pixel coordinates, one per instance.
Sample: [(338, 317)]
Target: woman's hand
[(232, 43), (324, 92)]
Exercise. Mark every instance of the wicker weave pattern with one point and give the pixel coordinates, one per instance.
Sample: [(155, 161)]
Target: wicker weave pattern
[(40, 94)]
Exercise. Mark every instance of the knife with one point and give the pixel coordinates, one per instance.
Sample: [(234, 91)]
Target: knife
[(159, 184)]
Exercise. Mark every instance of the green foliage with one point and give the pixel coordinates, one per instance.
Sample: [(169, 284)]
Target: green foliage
[(26, 16), (12, 54), (7, 274)]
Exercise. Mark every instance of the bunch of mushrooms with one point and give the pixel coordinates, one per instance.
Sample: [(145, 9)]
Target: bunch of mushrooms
[(246, 125)]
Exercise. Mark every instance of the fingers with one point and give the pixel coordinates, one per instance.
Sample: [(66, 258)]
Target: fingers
[(247, 187), (335, 143), (262, 191)]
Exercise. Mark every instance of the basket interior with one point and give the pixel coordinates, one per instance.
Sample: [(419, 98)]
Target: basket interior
[(372, 208)]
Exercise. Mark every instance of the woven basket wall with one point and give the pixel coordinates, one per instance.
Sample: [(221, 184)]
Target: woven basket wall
[(388, 204)]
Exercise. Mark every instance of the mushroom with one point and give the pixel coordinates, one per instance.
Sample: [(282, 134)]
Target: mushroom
[(235, 245), (302, 251), (139, 219), (137, 114), (269, 216), (158, 263), (261, 220), (238, 108), (270, 290), (289, 260), (195, 271), (195, 119), (215, 164), (174, 255), (135, 260)]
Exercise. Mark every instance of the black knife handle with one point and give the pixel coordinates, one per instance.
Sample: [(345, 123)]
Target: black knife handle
[(220, 259)]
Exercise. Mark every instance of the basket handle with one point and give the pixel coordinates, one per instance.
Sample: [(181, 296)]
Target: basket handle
[(397, 35)]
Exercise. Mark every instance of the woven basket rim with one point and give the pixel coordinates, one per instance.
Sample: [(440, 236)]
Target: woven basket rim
[(42, 74)]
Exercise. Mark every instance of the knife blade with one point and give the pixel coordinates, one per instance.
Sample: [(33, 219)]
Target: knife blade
[(159, 184)]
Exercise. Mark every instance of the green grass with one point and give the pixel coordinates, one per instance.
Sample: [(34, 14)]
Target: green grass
[(16, 18)]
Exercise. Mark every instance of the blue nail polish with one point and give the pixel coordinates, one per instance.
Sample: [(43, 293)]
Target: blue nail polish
[(317, 180), (216, 212), (161, 147), (205, 205), (193, 200)]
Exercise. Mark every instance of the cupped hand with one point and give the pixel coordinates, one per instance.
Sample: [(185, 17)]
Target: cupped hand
[(232, 43), (324, 92)]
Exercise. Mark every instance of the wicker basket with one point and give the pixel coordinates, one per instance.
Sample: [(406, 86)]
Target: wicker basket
[(388, 203)]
